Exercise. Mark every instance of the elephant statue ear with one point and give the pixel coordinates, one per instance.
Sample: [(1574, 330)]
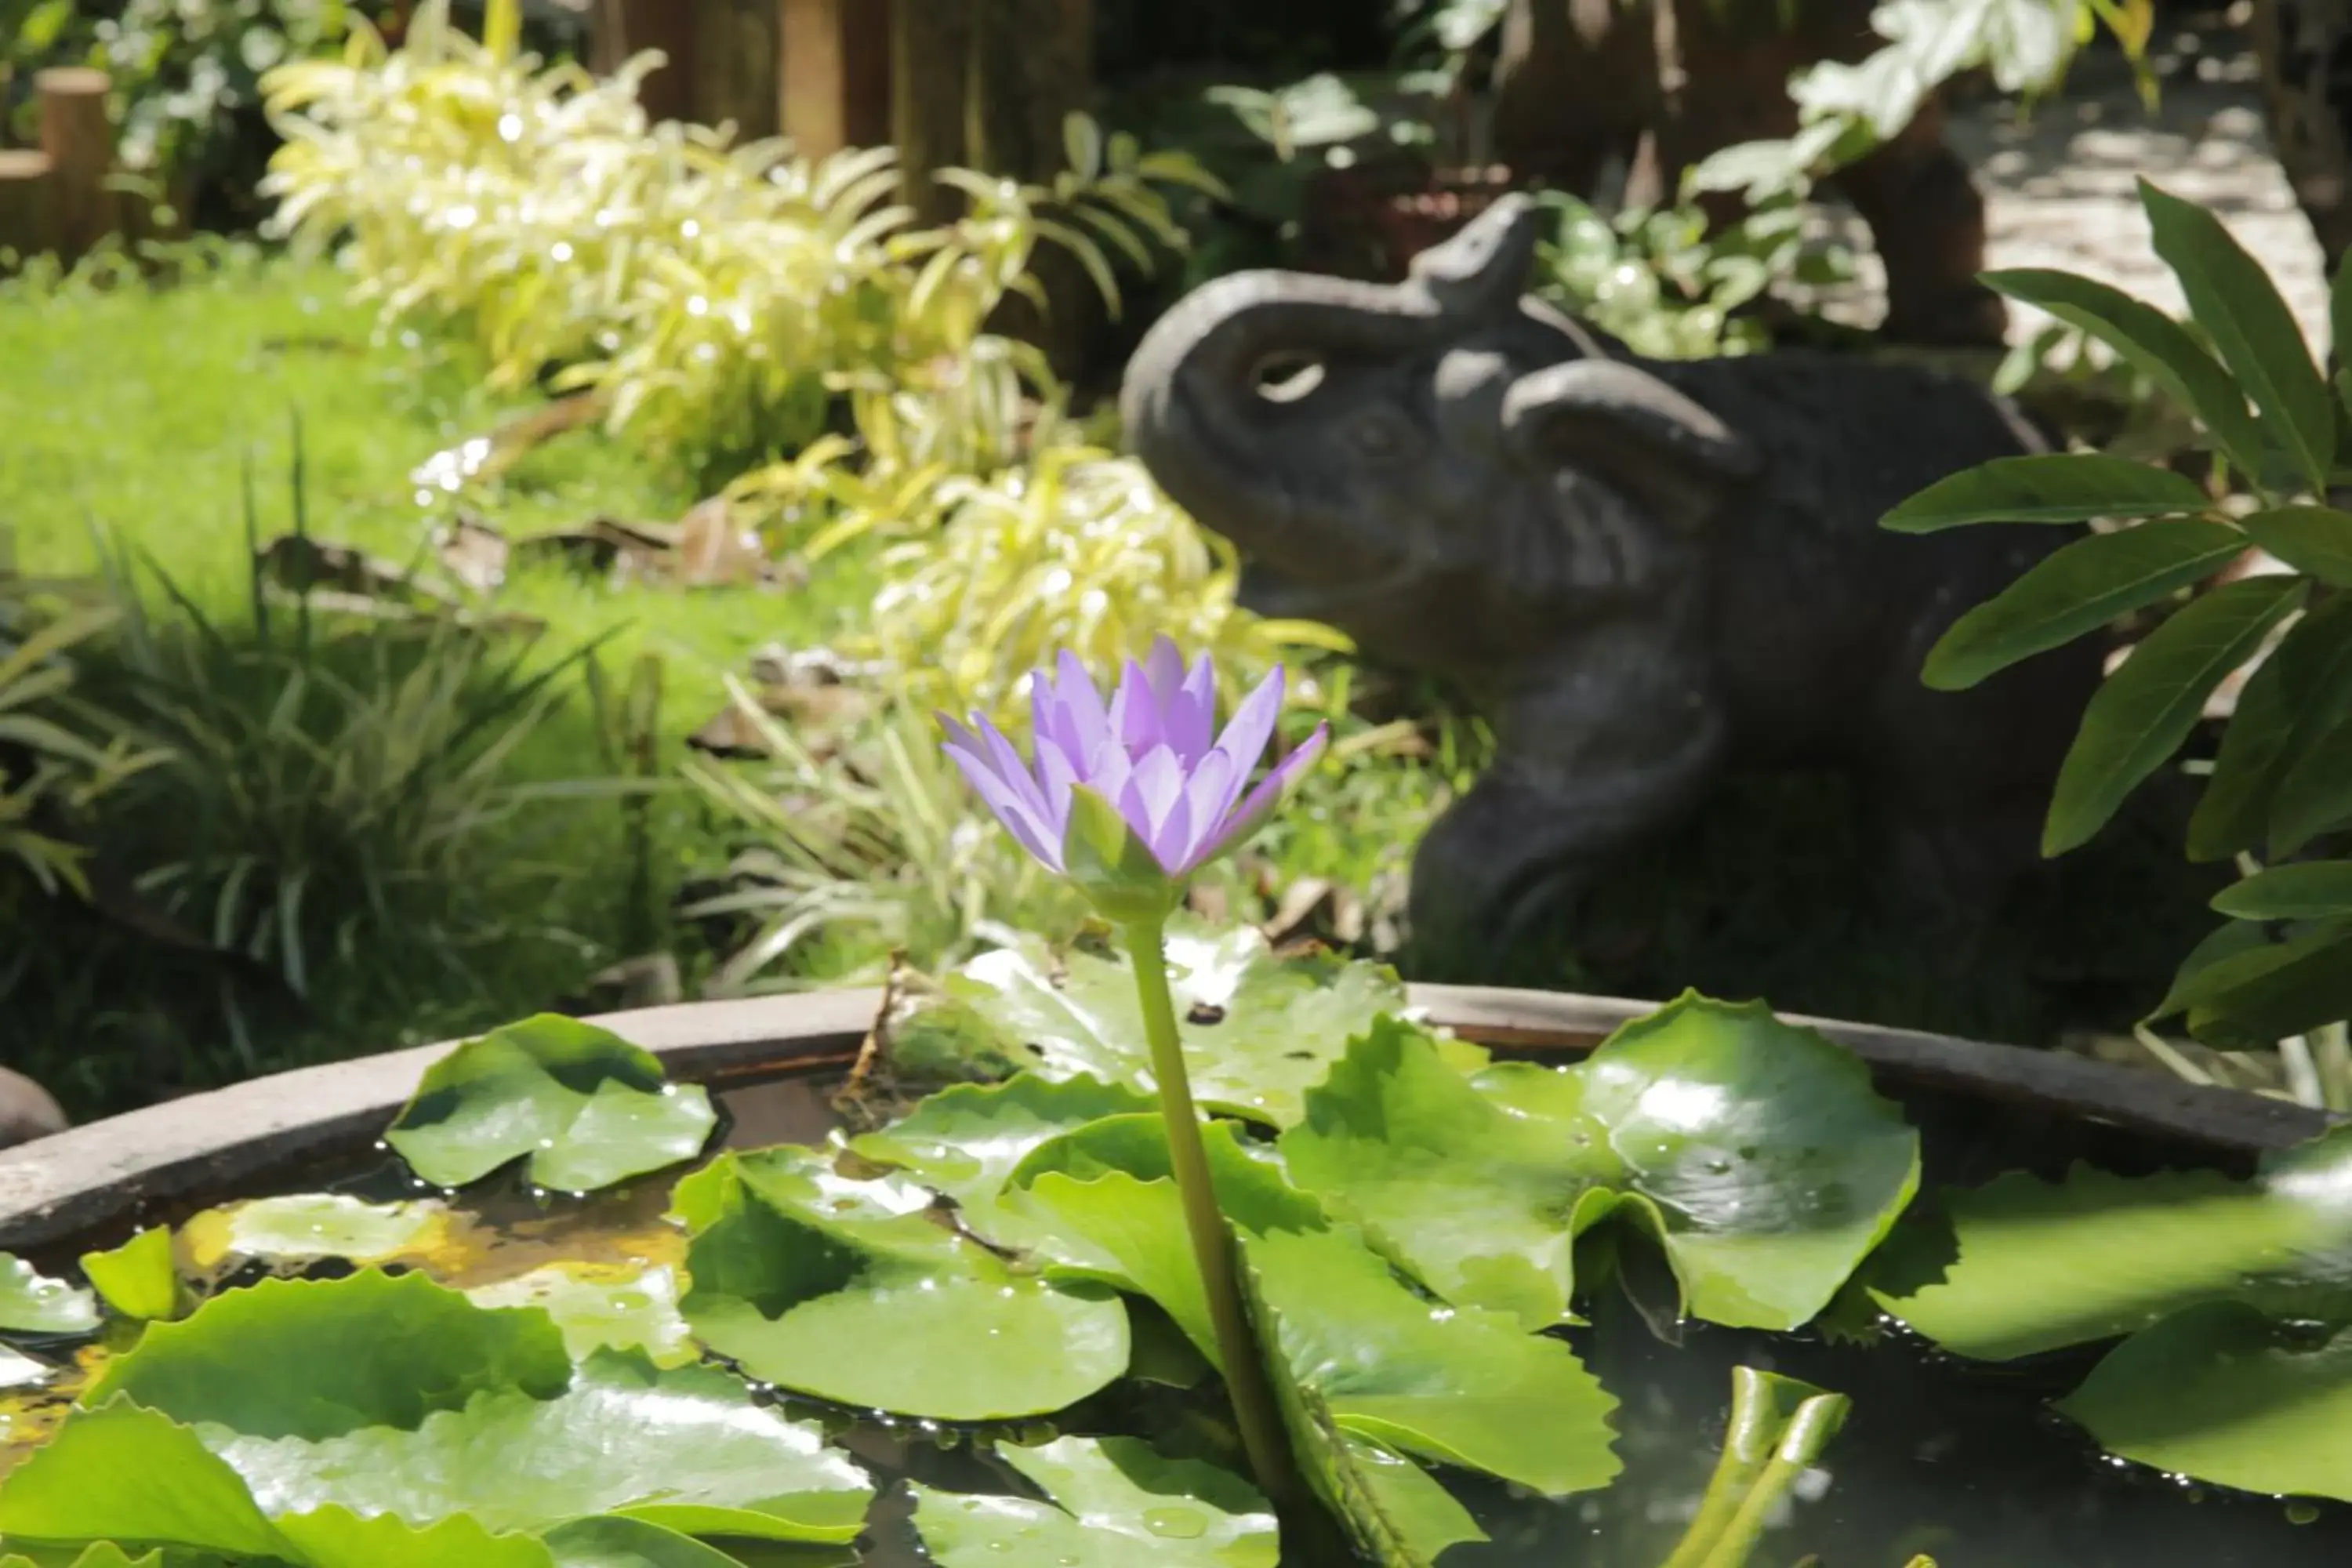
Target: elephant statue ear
[(1628, 428), (1480, 273)]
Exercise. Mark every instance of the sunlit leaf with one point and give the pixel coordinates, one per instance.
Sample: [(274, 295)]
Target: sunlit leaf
[(1258, 1030), (305, 1226), (603, 1306), (800, 1274), (138, 1278), (30, 1303), (583, 1106), (1115, 1502), (2027, 1264), (1756, 1152)]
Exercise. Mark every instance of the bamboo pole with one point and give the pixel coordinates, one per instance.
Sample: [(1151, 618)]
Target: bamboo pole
[(835, 74)]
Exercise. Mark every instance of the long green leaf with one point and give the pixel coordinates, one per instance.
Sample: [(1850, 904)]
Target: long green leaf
[(2080, 589), (2149, 707), (2152, 343), (2235, 301), (2058, 486), (2270, 992), (2317, 540), (2295, 696), (2315, 795), (2319, 889)]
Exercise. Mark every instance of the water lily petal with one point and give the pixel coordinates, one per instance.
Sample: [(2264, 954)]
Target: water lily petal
[(1009, 807), (1209, 793), (1008, 764), (1193, 716), (1252, 724), (1171, 841), (1080, 724), (1164, 668), (1159, 783), (1261, 801), (1136, 718), (1056, 773)]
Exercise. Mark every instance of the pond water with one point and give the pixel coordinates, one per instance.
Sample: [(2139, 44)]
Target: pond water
[(1960, 1461)]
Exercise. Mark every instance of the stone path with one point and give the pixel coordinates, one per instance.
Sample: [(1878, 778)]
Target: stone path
[(2060, 183)]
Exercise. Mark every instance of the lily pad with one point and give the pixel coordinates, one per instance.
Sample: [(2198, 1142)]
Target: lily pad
[(1755, 1152), (963, 1141), (601, 1306), (139, 1278), (121, 1472), (304, 1227), (633, 1543), (1116, 1503), (2223, 1393), (315, 1359), (1258, 1030), (2025, 1265), (19, 1370), (686, 1449), (31, 1303), (585, 1107), (855, 1292)]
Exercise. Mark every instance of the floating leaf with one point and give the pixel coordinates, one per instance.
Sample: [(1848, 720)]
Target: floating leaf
[(104, 1554), (2314, 540), (2078, 590), (2152, 343), (18, 1371), (633, 1543), (2148, 708), (138, 1278), (1755, 1152), (2030, 1265), (32, 1304), (1110, 1210), (2051, 486), (315, 1359), (687, 1449), (603, 1306), (1258, 1030), (585, 1107), (963, 1141), (1115, 1503), (2239, 307), (852, 1291), (2293, 697), (2223, 1393), (305, 1226)]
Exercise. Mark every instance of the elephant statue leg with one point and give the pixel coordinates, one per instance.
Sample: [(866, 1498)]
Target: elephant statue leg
[(1575, 86)]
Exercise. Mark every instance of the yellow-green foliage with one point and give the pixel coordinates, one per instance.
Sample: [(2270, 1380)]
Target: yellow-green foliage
[(719, 295)]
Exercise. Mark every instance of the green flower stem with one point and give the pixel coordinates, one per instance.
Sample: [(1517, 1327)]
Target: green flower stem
[(1809, 1432), (1247, 1378)]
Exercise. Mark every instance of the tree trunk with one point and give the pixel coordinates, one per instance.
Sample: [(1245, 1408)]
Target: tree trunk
[(2306, 55)]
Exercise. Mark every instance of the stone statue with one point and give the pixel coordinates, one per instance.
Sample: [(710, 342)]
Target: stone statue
[(1644, 571), (26, 1112), (1662, 84)]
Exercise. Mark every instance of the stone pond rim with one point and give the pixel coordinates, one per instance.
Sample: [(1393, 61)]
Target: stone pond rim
[(210, 1146)]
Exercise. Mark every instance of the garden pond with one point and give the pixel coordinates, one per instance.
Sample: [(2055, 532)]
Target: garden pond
[(887, 1322)]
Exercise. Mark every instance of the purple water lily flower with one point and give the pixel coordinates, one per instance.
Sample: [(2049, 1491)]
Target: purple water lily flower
[(1152, 751)]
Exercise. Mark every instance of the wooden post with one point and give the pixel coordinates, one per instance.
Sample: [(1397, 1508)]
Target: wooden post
[(80, 141), (738, 48), (835, 73), (625, 28), (930, 75), (25, 188)]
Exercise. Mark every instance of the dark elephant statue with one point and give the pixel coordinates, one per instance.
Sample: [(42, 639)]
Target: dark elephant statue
[(1644, 571), (1662, 84)]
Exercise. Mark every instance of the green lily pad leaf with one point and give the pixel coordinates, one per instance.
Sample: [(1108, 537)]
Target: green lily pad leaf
[(1110, 1210), (104, 1554), (338, 1538), (118, 1472), (1456, 1386), (305, 1226), (854, 1291), (2223, 1393), (602, 1307), (963, 1141), (1398, 1514), (33, 1304), (585, 1107), (2028, 1266), (686, 1449), (139, 1278), (1116, 1503), (315, 1359), (1258, 1030), (1755, 1152), (631, 1543)]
